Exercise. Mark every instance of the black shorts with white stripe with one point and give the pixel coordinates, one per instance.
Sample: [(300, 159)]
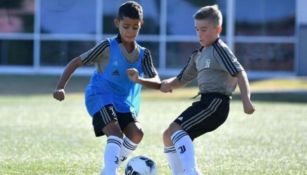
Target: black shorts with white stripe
[(205, 115), (108, 114)]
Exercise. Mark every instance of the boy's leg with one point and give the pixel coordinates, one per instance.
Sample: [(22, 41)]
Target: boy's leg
[(127, 148), (185, 150), (111, 155), (105, 122), (203, 116), (175, 164), (176, 137), (173, 160), (133, 134)]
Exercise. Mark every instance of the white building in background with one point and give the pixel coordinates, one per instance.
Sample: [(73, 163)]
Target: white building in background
[(40, 36)]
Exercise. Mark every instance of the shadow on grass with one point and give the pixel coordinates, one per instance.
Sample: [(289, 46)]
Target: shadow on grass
[(280, 96), (37, 85), (28, 85)]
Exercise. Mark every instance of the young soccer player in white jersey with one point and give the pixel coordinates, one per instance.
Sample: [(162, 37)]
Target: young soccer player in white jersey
[(111, 98), (217, 71)]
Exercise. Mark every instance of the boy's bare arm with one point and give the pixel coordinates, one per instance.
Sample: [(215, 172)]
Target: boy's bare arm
[(174, 82), (245, 93), (153, 83), (169, 84), (59, 92)]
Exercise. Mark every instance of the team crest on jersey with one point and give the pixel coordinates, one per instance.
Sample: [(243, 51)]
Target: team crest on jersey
[(207, 63), (203, 63)]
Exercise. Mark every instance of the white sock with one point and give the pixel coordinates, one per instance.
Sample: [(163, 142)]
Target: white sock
[(185, 150), (173, 161), (111, 155), (127, 148)]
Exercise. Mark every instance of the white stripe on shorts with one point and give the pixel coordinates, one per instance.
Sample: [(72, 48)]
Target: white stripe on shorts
[(105, 116), (202, 115)]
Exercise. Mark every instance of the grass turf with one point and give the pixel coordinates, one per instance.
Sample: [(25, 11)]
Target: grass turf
[(42, 136)]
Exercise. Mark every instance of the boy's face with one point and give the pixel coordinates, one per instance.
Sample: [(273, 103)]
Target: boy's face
[(128, 28), (207, 33)]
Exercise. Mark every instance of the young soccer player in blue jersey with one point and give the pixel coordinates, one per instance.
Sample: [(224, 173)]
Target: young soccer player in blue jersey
[(218, 72), (111, 98)]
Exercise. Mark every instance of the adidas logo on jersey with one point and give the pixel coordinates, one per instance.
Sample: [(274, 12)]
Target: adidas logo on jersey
[(115, 73), (180, 118)]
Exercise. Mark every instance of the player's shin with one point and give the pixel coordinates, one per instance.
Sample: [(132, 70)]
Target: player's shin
[(126, 149), (173, 160), (111, 155), (185, 150)]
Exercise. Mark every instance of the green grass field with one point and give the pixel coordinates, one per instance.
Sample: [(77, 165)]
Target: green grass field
[(40, 136)]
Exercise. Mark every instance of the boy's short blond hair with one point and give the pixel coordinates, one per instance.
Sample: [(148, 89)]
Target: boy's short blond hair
[(211, 13)]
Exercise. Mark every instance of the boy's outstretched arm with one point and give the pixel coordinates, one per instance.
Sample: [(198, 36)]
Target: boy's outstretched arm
[(59, 92), (153, 83), (245, 93), (169, 84)]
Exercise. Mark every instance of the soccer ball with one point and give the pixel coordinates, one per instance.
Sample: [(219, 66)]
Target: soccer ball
[(140, 165)]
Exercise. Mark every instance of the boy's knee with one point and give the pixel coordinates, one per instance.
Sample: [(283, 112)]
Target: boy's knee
[(135, 135), (113, 129), (167, 138), (173, 127), (167, 134), (138, 136)]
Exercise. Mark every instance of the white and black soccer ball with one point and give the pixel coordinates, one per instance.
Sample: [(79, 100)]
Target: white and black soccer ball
[(141, 165)]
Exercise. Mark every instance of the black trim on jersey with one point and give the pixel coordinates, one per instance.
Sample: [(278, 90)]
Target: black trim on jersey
[(98, 50), (147, 64), (179, 76), (231, 68), (118, 38), (201, 49)]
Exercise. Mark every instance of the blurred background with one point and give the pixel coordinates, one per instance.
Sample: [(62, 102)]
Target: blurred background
[(40, 36), (41, 136)]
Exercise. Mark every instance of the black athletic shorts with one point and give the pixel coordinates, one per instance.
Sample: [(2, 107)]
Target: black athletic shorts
[(108, 114), (205, 115)]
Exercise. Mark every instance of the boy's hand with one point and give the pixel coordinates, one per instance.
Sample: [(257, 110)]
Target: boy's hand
[(133, 74), (59, 94), (249, 108), (165, 87)]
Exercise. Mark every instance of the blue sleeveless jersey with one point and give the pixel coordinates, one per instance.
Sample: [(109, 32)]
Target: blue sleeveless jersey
[(113, 86)]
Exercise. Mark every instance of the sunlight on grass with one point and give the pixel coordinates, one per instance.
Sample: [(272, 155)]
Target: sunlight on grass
[(280, 84), (42, 136)]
